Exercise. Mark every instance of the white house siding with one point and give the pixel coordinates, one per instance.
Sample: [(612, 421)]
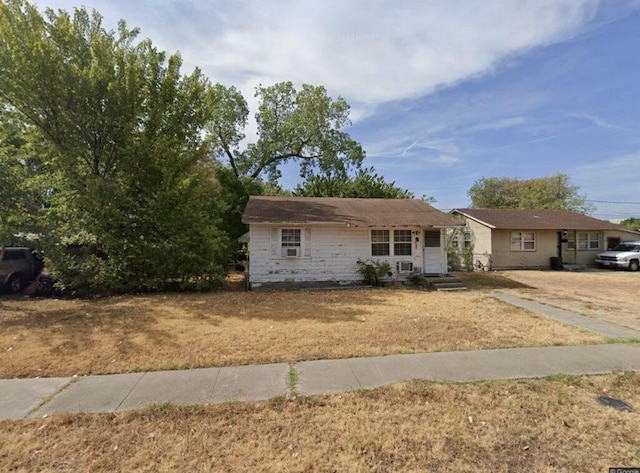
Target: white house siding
[(329, 253)]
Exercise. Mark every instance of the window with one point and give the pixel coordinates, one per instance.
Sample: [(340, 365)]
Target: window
[(402, 242), (523, 241), (432, 239), (291, 242), (14, 255), (379, 242), (467, 239), (586, 241)]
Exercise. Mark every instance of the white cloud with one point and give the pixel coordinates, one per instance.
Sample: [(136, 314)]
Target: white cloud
[(402, 145), (497, 125), (372, 52), (446, 160), (611, 182), (595, 121), (617, 177), (367, 51)]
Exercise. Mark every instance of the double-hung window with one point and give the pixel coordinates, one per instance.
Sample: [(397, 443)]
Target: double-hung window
[(291, 241), (523, 241), (467, 239), (402, 242), (380, 243), (586, 241)]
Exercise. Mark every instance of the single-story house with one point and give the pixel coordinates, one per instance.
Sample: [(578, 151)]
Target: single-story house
[(316, 239), (528, 239)]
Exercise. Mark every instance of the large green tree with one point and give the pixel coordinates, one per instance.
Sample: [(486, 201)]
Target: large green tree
[(552, 193), (23, 179), (127, 179), (293, 126), (366, 183), (303, 125), (13, 178), (632, 223)]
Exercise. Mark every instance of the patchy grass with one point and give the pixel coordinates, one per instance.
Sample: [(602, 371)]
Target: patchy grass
[(48, 337), (607, 295), (552, 425)]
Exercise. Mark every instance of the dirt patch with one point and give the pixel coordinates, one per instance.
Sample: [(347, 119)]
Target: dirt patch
[(47, 337), (507, 426)]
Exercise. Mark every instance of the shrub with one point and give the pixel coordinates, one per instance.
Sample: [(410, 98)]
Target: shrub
[(373, 271)]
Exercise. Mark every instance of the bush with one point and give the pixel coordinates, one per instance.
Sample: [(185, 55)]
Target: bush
[(374, 271)]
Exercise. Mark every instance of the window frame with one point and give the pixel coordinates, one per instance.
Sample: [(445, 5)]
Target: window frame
[(522, 241), (290, 243), (467, 240), (379, 244), (405, 242), (571, 243)]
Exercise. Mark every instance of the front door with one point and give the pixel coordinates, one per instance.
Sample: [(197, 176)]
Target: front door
[(432, 253)]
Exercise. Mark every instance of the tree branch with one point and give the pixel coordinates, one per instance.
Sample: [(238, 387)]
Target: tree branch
[(281, 157), (225, 147)]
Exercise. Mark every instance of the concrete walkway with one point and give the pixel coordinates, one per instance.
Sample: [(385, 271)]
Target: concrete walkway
[(597, 326), (20, 398)]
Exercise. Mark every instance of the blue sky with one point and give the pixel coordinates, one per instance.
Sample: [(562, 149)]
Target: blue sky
[(442, 93)]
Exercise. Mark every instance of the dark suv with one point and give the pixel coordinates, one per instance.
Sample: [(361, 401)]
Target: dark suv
[(18, 267)]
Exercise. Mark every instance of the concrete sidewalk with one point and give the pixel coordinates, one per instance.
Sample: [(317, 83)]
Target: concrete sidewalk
[(20, 398), (113, 393)]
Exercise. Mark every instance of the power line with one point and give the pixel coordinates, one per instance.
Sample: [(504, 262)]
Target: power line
[(611, 202)]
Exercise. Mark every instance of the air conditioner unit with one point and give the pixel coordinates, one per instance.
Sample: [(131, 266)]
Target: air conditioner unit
[(405, 266), (291, 251)]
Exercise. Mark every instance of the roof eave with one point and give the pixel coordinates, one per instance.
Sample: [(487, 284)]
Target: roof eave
[(475, 219)]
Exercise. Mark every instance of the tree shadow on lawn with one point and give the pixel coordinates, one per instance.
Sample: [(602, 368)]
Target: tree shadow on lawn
[(290, 306), (483, 281), (78, 327)]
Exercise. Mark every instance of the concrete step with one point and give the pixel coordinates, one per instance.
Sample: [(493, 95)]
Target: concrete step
[(449, 286), (440, 282)]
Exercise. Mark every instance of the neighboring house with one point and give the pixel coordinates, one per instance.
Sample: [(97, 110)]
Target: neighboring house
[(314, 239), (513, 239)]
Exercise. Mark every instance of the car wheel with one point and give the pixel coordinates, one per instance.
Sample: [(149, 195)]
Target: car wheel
[(14, 284), (633, 265)]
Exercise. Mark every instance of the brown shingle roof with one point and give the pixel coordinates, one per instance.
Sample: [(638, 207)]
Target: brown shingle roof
[(535, 219), (356, 212)]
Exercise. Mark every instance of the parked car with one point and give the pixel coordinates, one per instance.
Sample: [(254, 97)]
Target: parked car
[(18, 267), (625, 255)]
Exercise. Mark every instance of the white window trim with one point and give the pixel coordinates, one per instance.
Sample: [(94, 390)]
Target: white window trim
[(522, 241), (571, 243), (410, 242), (465, 240), (300, 247), (389, 243)]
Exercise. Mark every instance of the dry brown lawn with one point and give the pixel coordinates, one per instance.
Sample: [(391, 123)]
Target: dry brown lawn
[(552, 425), (609, 295), (48, 337)]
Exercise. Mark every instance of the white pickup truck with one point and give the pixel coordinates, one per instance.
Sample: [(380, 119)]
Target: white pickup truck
[(625, 255)]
